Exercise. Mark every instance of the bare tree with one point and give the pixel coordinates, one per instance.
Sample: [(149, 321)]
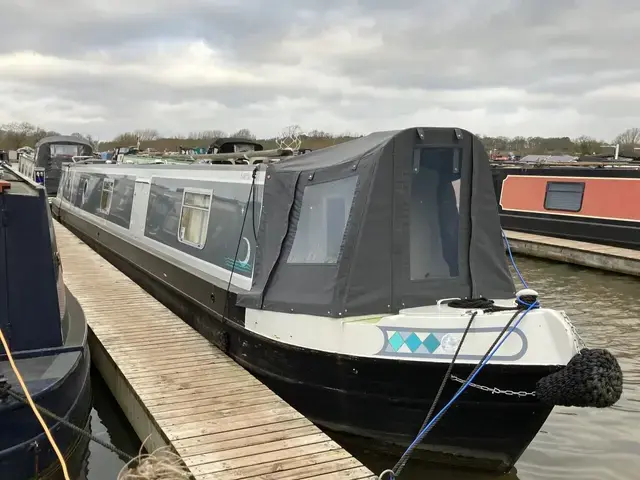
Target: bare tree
[(17, 134), (630, 136), (207, 135), (147, 134), (244, 133), (126, 139), (587, 145)]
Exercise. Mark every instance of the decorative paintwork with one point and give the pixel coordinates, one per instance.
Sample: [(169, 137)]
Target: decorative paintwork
[(441, 343)]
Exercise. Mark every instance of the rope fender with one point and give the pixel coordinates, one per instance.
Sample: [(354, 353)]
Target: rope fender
[(592, 378)]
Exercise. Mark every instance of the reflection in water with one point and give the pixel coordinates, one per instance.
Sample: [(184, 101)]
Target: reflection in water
[(109, 424), (574, 444)]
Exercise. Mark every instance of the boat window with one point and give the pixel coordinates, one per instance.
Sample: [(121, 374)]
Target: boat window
[(66, 185), (322, 222), (107, 195), (565, 196), (434, 213), (194, 217), (66, 150)]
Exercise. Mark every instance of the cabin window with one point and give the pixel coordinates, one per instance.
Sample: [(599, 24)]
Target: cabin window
[(194, 217), (434, 213), (107, 195), (564, 196), (322, 221)]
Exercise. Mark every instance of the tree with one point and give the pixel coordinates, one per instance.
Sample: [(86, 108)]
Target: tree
[(147, 134), (244, 133), (17, 134), (207, 135), (587, 145), (629, 137), (126, 139)]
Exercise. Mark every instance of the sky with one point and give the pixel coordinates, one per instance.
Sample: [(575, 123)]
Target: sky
[(495, 67)]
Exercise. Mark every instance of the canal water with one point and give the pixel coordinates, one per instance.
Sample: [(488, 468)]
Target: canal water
[(574, 444)]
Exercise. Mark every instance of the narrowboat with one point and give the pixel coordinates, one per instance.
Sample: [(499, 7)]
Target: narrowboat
[(45, 331), (589, 201), (44, 164), (332, 277)]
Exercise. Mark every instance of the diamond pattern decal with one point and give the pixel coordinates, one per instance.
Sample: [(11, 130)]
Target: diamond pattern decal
[(412, 342), (431, 342), (396, 341)]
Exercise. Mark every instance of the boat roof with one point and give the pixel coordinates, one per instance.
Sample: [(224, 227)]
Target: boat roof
[(64, 139)]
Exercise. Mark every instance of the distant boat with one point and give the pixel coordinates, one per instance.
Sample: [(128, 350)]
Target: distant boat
[(44, 163), (591, 199), (46, 331)]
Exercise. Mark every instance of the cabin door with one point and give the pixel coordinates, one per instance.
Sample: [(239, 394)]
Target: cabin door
[(139, 206)]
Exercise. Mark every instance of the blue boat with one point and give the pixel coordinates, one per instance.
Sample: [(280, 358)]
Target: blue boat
[(45, 330)]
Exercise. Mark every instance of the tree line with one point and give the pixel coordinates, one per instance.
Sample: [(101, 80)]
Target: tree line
[(19, 134)]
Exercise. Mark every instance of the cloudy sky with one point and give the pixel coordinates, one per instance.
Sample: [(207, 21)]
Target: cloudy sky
[(497, 67)]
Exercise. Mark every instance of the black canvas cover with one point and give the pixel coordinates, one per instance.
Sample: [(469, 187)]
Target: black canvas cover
[(52, 152), (387, 221), (43, 147)]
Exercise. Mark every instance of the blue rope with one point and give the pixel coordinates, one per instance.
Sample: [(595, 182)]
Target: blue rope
[(513, 262), (470, 379), (530, 307)]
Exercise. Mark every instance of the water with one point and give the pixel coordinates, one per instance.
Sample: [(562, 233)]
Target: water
[(574, 444), (109, 424)]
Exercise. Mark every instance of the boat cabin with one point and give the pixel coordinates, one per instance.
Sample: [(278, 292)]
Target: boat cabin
[(392, 220)]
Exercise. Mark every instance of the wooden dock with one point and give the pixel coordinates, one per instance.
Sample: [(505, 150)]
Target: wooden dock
[(613, 259), (177, 389)]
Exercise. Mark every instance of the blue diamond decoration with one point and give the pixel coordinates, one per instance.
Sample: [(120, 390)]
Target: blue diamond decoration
[(413, 342), (431, 342), (396, 341)]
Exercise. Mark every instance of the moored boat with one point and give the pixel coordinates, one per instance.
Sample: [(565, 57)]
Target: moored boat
[(44, 327), (592, 201), (349, 280), (43, 165)]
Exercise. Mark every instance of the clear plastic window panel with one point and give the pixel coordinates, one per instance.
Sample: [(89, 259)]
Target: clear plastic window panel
[(435, 214), (322, 222)]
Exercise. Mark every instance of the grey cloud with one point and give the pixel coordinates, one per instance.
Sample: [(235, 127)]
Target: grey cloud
[(556, 52)]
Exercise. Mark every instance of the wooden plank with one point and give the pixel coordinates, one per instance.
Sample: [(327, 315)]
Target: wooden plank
[(603, 257), (220, 419)]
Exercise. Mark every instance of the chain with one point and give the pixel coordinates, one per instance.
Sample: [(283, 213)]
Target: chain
[(495, 390), (578, 342)]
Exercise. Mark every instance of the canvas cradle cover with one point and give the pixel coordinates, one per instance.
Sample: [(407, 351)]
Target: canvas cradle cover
[(387, 221)]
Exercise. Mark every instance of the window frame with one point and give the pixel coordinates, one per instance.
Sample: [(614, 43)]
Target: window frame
[(197, 191), (548, 186), (106, 181)]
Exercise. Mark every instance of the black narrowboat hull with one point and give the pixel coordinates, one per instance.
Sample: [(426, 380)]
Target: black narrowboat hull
[(607, 214), (383, 401), (31, 455)]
